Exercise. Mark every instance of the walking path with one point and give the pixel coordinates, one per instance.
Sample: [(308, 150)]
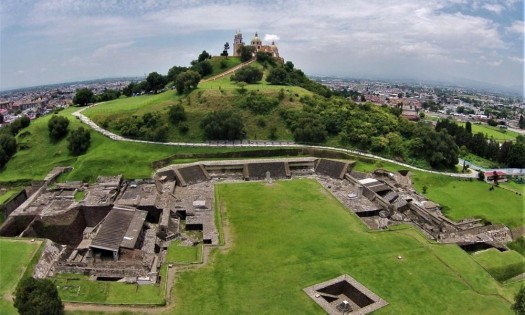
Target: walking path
[(251, 144), (232, 70)]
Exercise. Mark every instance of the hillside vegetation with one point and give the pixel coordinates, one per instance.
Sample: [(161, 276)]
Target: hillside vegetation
[(284, 105)]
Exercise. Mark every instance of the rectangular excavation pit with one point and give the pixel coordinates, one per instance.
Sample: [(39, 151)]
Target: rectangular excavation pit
[(344, 295)]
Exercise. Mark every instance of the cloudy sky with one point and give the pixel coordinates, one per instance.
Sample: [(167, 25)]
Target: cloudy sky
[(50, 41)]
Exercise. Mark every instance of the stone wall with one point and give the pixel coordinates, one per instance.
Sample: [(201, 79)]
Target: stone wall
[(334, 169), (257, 171), (13, 203), (192, 174)]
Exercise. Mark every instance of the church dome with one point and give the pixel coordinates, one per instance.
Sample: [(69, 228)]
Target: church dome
[(256, 40)]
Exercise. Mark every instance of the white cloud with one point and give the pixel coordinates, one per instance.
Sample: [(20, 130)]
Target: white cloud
[(357, 35), (270, 37), (493, 7), (110, 49), (517, 27), (495, 63), (517, 59)]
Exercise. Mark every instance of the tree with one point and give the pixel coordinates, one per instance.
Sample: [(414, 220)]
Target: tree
[(521, 122), (203, 68), (519, 302), (83, 97), (79, 141), (155, 81), (8, 143), (516, 156), (223, 125), (277, 76), (37, 296), (57, 127), (247, 74), (187, 81), (177, 114), (203, 56), (174, 72), (225, 51), (246, 53), (468, 127)]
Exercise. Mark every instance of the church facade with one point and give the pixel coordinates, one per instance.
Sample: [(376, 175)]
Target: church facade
[(256, 43)]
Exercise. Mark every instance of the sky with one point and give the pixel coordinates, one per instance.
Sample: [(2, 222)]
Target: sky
[(457, 41)]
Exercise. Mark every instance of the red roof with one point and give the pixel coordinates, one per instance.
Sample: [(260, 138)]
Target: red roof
[(491, 173)]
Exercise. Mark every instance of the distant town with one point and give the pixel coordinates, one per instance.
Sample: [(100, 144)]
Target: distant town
[(414, 100), (37, 101)]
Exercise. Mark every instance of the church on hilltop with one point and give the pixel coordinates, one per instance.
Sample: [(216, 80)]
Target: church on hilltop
[(256, 43)]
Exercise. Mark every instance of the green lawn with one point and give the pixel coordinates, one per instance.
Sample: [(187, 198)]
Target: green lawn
[(518, 245), (501, 265), (15, 256), (179, 254), (78, 288), (495, 132), (293, 234), (463, 199)]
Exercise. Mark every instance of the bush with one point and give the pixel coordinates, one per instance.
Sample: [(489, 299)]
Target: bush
[(257, 103), (247, 74), (37, 296), (176, 113), (223, 125), (57, 127), (187, 81), (79, 141)]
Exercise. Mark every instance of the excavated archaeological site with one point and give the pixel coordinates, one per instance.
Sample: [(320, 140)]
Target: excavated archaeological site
[(119, 230)]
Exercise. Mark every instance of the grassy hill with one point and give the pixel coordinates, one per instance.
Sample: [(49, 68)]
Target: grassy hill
[(209, 96), (104, 157)]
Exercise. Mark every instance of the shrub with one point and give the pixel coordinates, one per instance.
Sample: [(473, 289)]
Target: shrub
[(79, 141), (57, 127), (223, 125)]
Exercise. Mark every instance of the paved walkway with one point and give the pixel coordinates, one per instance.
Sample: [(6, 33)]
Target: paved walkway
[(251, 144)]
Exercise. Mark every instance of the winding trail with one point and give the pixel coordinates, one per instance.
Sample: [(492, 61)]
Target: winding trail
[(252, 144), (229, 71)]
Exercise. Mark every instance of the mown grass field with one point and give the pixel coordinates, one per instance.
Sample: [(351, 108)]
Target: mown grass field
[(15, 256), (78, 288), (501, 265), (178, 254), (292, 234), (495, 132)]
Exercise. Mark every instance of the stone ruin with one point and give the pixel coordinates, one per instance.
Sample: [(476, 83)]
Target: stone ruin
[(344, 295), (121, 229)]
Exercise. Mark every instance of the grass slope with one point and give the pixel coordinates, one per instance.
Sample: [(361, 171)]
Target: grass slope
[(501, 265), (210, 96), (104, 157), (293, 234), (15, 255)]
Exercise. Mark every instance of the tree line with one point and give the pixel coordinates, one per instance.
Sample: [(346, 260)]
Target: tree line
[(507, 153)]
